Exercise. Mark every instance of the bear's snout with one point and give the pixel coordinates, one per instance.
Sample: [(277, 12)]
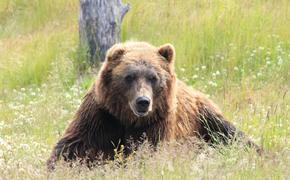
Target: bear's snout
[(142, 104)]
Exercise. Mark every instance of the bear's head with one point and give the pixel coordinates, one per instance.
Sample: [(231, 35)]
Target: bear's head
[(137, 81)]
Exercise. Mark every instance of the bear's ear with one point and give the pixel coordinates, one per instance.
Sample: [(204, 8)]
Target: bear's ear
[(167, 51), (115, 52)]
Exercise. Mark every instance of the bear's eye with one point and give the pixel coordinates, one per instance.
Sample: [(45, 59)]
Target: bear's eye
[(130, 78), (152, 78)]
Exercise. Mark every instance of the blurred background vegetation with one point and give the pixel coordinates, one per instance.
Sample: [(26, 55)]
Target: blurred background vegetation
[(236, 51)]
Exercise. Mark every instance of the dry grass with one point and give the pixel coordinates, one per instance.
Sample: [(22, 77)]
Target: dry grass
[(238, 52)]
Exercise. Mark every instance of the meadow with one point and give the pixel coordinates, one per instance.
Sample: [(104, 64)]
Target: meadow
[(235, 51)]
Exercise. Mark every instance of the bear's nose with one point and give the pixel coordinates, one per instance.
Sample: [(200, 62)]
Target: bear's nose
[(142, 104)]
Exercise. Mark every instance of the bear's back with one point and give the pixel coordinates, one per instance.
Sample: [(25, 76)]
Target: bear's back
[(189, 103)]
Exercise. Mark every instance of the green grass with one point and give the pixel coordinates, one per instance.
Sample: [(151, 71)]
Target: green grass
[(238, 52)]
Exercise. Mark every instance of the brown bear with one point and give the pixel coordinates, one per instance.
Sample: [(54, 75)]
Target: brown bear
[(137, 94)]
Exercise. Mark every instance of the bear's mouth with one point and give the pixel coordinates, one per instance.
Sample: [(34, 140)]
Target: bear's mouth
[(141, 114)]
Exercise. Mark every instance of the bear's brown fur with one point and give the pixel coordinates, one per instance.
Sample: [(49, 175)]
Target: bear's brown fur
[(107, 116)]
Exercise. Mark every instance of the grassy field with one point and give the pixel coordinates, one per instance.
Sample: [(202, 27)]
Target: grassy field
[(236, 51)]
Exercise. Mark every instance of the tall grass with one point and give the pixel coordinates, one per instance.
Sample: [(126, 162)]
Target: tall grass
[(238, 52), (25, 16)]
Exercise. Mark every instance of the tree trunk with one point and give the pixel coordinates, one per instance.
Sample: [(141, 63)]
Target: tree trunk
[(100, 26)]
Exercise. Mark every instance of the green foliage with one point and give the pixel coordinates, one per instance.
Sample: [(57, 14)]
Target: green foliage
[(220, 35), (236, 51)]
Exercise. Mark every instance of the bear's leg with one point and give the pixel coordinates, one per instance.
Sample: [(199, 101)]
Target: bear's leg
[(66, 148), (215, 129)]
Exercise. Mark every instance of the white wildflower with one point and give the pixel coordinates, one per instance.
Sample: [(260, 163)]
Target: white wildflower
[(261, 48), (182, 69), (24, 146), (280, 60), (214, 84), (195, 76), (2, 142)]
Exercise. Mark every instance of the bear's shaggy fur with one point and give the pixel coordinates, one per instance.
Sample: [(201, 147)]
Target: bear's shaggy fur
[(107, 117)]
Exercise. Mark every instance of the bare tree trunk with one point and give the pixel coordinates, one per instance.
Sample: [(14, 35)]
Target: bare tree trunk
[(100, 25)]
